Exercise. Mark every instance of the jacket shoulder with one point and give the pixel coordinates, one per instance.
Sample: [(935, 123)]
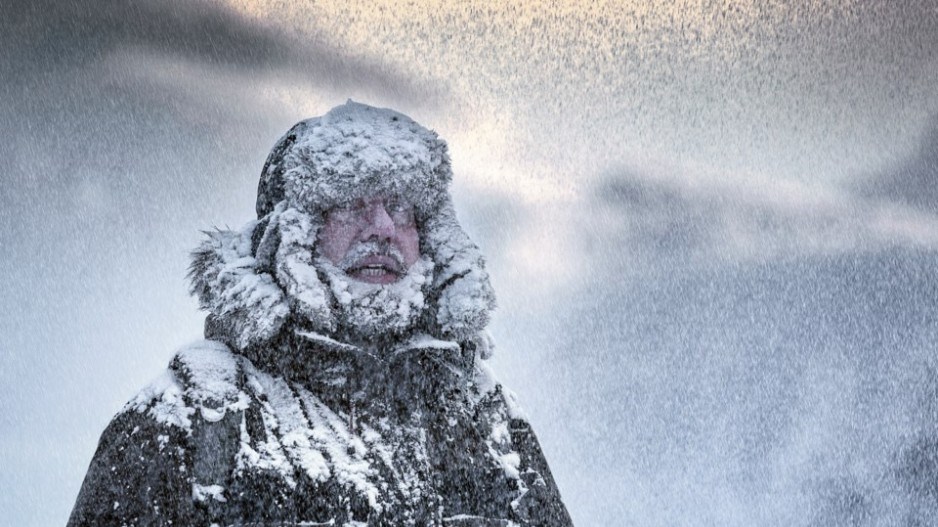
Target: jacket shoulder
[(203, 377), (144, 469), (211, 378)]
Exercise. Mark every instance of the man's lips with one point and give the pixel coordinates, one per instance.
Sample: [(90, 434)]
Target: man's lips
[(379, 269)]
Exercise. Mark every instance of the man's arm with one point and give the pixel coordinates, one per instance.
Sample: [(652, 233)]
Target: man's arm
[(139, 476), (512, 441), (541, 504)]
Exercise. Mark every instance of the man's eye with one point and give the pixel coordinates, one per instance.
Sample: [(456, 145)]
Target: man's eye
[(346, 212), (349, 210)]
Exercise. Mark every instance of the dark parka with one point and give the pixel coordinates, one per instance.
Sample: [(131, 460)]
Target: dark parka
[(428, 439)]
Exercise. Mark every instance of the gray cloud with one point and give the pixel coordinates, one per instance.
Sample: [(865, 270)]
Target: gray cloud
[(760, 352), (661, 218), (56, 37), (641, 220), (50, 35), (749, 392), (637, 217), (914, 181)]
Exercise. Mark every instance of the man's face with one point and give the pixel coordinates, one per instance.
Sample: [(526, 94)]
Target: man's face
[(372, 239)]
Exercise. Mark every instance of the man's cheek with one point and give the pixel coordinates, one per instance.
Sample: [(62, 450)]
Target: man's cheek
[(408, 242)]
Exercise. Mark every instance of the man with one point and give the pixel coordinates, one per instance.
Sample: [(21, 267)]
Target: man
[(343, 380)]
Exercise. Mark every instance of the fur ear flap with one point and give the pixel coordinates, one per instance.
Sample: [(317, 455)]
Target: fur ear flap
[(296, 272), (224, 276), (264, 243), (254, 280), (462, 297)]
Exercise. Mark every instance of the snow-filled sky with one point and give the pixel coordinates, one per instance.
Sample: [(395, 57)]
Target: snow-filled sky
[(712, 227)]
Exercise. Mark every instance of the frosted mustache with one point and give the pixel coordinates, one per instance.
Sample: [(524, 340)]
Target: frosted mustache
[(363, 250)]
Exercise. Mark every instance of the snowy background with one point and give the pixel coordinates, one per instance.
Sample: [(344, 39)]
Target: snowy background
[(712, 227)]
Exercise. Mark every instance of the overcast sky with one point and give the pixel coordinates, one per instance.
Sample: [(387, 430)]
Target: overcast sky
[(712, 227)]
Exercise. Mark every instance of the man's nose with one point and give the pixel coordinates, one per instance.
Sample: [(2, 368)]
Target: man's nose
[(378, 223)]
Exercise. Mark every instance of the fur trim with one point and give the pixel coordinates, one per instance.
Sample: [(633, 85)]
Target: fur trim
[(251, 299), (248, 304), (463, 299)]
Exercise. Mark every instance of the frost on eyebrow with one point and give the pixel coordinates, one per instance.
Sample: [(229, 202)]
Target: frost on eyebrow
[(399, 209)]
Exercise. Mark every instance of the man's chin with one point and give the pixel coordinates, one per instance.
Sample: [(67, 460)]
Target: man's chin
[(376, 301)]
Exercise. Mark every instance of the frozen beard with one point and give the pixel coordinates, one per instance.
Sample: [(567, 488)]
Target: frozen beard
[(368, 310)]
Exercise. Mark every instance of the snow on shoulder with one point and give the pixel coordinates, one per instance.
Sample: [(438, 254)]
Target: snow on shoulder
[(202, 377)]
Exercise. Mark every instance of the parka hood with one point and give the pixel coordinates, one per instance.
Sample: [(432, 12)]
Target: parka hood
[(262, 280)]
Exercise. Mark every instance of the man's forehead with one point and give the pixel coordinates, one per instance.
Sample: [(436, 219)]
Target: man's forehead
[(371, 199)]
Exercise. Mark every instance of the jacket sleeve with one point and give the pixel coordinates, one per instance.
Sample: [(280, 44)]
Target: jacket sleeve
[(541, 504), (535, 500), (139, 476)]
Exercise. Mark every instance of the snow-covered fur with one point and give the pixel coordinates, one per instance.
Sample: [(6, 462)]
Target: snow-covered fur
[(354, 151), (256, 280)]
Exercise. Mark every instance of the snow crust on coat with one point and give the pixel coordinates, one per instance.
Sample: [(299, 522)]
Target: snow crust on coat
[(206, 382), (254, 280)]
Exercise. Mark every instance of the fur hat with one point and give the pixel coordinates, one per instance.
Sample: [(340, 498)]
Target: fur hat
[(353, 151)]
